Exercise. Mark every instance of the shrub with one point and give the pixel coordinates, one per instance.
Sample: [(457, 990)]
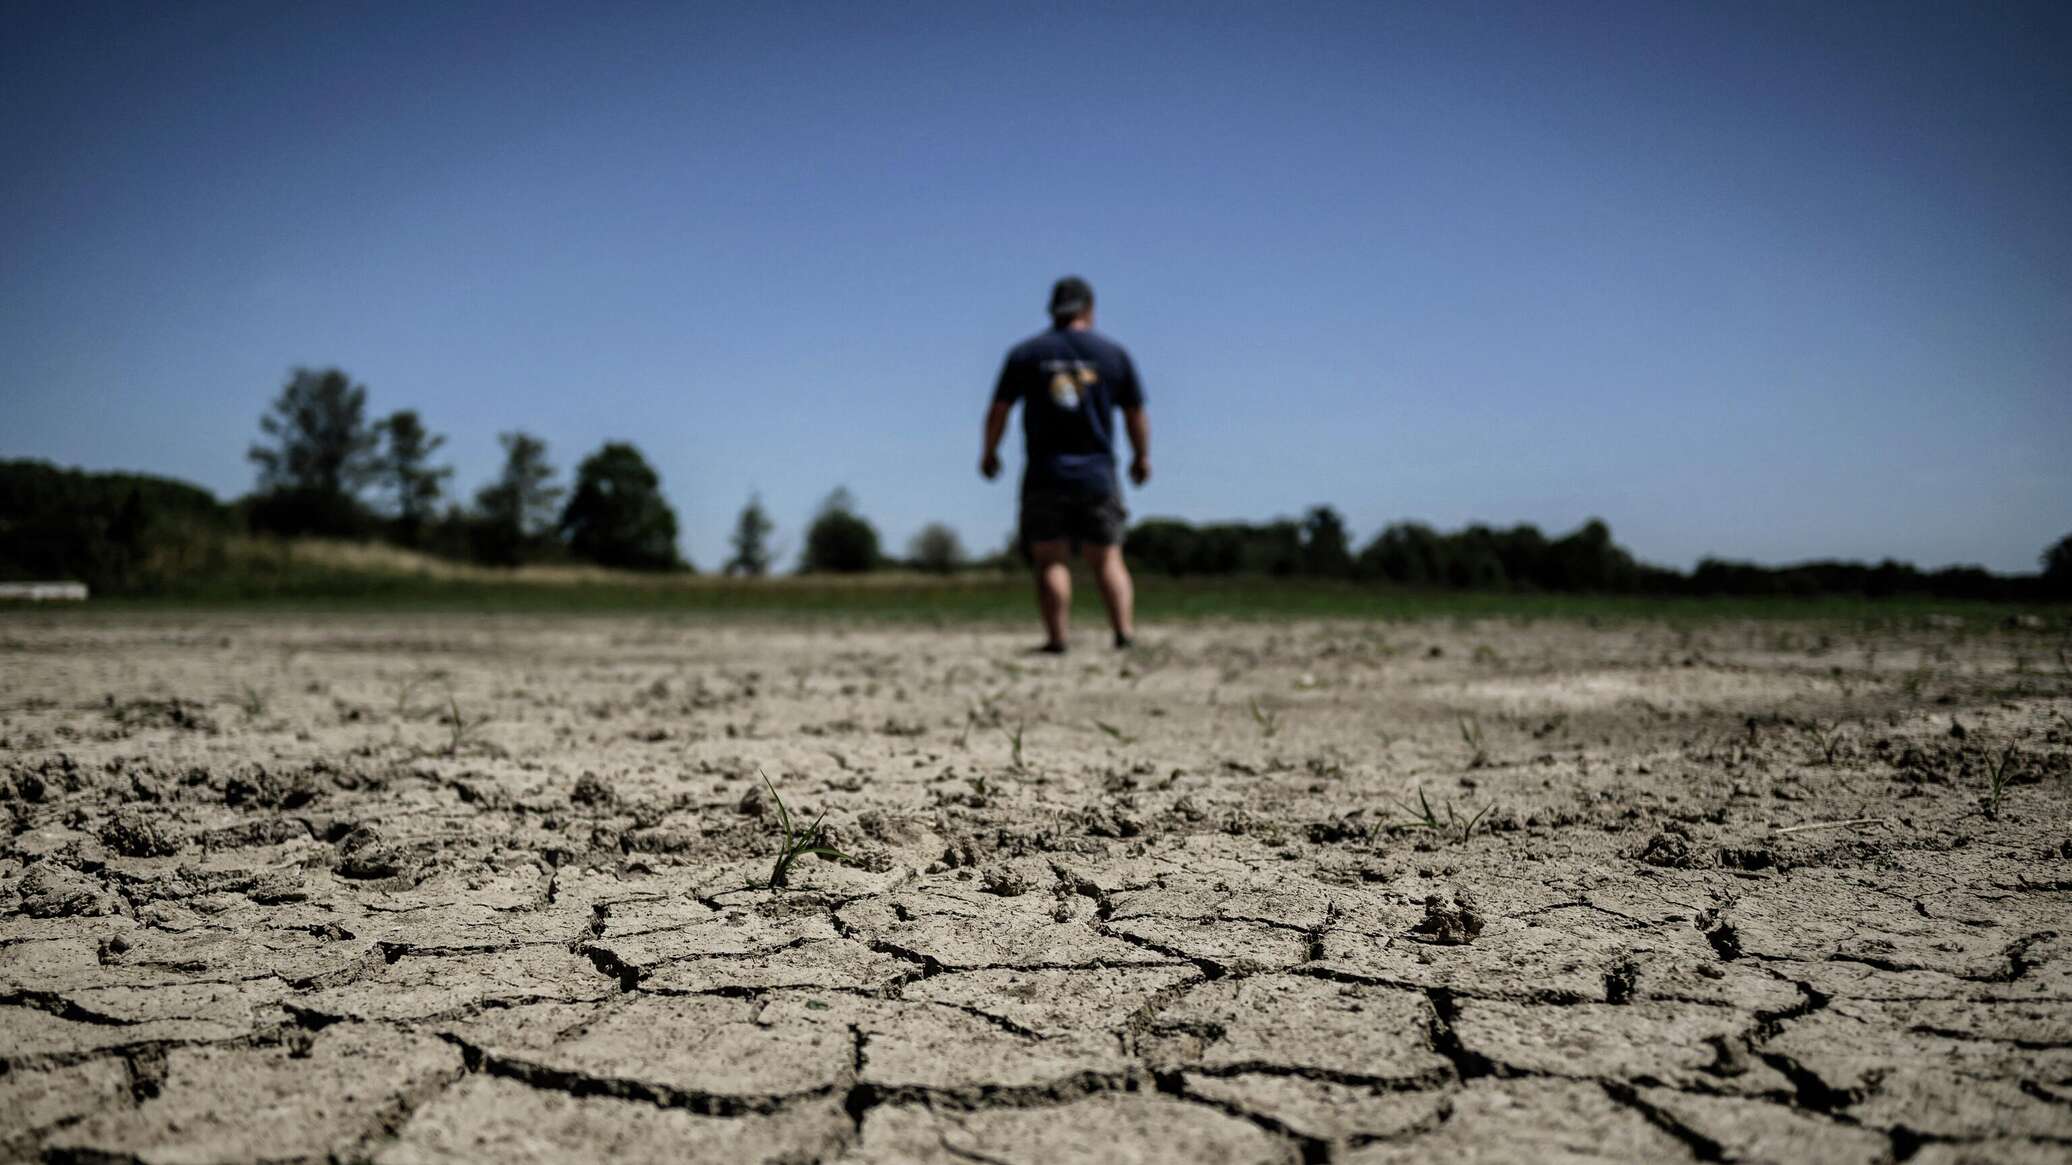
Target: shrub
[(617, 515), (936, 549), (839, 540)]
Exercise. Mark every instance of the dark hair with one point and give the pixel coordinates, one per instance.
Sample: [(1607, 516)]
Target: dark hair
[(1070, 298)]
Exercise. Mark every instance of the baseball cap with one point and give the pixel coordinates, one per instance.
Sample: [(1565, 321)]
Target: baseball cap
[(1070, 296)]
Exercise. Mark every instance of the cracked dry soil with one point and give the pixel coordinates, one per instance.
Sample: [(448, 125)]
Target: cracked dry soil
[(439, 888)]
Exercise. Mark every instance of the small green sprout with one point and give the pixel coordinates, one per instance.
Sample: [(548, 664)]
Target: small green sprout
[(1829, 739), (798, 843), (1014, 739), (985, 713), (1422, 817), (2003, 771), (1471, 735), (1425, 817), (458, 725), (1268, 719), (1114, 733)]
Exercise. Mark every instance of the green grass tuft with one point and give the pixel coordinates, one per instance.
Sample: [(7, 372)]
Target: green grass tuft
[(1455, 827), (1268, 719), (798, 843)]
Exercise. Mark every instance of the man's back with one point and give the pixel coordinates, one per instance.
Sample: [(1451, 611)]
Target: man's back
[(1069, 382)]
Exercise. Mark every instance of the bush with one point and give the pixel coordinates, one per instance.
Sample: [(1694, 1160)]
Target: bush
[(936, 549), (1161, 545), (2057, 569), (840, 541), (115, 532), (293, 512), (617, 515), (1326, 550)]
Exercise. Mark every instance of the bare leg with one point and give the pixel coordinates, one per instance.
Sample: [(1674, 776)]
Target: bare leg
[(1116, 589), (1053, 587)]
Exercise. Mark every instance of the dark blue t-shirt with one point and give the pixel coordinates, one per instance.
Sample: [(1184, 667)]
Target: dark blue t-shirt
[(1069, 384)]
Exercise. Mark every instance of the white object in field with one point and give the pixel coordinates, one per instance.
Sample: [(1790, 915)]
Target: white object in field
[(44, 592)]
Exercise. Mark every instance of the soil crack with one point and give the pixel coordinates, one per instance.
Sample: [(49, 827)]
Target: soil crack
[(1702, 1147), (575, 1083), (1468, 1065)]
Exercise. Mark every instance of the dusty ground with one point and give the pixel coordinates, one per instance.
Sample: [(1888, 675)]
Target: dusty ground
[(438, 888)]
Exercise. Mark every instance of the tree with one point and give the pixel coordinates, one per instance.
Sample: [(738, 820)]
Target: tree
[(1588, 560), (839, 540), (1476, 563), (316, 453), (116, 532), (406, 471), (2057, 568), (518, 507), (1411, 553), (320, 437), (1326, 551), (1163, 545), (617, 515), (1523, 552), (936, 549), (751, 540)]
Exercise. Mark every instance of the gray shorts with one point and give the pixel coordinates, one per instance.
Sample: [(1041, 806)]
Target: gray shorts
[(1050, 515)]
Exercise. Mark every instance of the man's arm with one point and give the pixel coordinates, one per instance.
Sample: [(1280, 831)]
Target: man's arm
[(996, 427), (1139, 426)]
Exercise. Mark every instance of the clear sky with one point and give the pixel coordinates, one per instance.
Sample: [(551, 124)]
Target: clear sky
[(1753, 280)]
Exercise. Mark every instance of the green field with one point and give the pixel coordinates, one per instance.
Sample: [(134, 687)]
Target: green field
[(994, 597)]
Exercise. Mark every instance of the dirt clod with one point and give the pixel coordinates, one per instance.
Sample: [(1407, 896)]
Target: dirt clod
[(1668, 849), (364, 854), (1005, 881), (133, 833), (752, 802), (591, 792), (50, 890), (1452, 922)]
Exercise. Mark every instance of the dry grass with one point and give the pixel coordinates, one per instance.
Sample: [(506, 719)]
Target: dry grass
[(380, 558)]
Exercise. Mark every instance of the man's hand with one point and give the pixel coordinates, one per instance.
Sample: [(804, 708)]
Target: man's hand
[(996, 427), (1139, 427)]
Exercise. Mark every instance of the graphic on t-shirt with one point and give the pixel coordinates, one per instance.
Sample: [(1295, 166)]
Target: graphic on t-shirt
[(1067, 377)]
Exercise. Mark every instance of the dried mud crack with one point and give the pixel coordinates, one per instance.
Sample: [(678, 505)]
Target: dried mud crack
[(261, 899)]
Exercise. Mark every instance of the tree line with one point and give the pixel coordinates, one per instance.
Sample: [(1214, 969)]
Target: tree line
[(326, 467), (113, 531), (1521, 557)]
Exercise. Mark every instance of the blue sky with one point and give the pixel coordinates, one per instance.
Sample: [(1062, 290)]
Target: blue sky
[(1752, 280)]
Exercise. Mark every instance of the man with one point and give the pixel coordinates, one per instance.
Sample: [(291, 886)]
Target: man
[(1070, 380)]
